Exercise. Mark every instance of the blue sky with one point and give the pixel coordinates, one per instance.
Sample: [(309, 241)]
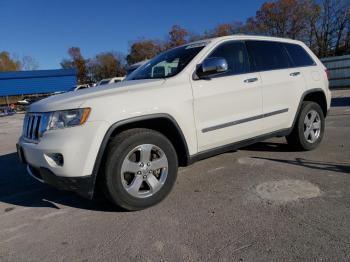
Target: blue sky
[(45, 29)]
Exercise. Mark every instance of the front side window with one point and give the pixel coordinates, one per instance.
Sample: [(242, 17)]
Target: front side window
[(167, 64), (236, 57), (298, 55), (268, 55)]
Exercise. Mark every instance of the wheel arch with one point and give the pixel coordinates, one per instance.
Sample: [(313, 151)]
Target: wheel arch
[(316, 95), (163, 123)]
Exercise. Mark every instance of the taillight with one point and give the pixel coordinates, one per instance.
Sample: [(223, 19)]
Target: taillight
[(327, 73)]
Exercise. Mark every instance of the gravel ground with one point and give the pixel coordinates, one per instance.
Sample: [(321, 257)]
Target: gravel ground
[(260, 203)]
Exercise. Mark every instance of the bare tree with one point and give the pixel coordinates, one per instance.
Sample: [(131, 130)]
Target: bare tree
[(330, 27), (29, 63), (323, 26), (342, 28)]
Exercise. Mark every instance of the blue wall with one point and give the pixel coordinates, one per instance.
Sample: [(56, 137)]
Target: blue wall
[(37, 82)]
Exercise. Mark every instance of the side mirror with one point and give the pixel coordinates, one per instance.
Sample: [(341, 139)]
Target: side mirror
[(212, 66)]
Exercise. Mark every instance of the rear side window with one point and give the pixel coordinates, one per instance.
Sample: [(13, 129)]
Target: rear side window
[(298, 55), (236, 56), (268, 55)]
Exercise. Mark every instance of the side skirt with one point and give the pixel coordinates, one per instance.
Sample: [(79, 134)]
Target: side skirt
[(222, 149)]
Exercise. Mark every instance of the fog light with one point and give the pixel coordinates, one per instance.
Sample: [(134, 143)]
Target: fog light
[(54, 159)]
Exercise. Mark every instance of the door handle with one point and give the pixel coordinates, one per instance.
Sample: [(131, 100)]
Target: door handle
[(251, 80), (294, 74)]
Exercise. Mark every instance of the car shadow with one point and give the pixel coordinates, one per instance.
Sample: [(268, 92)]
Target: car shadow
[(318, 165), (340, 101), (270, 147), (18, 188)]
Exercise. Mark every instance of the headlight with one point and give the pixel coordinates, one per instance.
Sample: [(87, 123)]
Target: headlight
[(68, 118)]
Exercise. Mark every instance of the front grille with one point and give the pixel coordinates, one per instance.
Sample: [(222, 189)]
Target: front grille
[(34, 125), (31, 126)]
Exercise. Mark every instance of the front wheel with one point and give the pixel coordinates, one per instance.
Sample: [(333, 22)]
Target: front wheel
[(141, 169), (308, 130)]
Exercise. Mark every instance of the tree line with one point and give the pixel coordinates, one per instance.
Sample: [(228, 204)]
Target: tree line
[(323, 25), (13, 63)]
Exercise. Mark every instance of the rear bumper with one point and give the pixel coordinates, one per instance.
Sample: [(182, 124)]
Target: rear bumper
[(83, 186)]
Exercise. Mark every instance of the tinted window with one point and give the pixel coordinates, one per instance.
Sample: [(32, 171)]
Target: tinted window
[(236, 56), (298, 55), (268, 55)]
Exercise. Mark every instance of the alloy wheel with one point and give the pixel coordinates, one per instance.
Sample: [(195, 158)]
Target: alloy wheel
[(312, 126), (144, 170)]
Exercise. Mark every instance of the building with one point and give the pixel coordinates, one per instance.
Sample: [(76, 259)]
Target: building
[(339, 70), (37, 82)]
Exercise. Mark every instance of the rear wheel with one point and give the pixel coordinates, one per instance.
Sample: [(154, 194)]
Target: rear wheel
[(141, 169), (308, 130)]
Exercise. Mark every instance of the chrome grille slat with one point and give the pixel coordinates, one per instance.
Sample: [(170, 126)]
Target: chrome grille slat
[(32, 126), (37, 126), (29, 127), (35, 122)]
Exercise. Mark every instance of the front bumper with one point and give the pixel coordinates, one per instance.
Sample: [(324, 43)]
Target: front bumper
[(78, 146), (84, 186)]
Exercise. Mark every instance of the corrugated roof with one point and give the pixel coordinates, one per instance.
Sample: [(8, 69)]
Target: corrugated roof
[(38, 73), (37, 81)]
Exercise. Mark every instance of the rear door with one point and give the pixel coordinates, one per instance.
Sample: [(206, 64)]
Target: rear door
[(306, 65), (227, 105), (282, 83)]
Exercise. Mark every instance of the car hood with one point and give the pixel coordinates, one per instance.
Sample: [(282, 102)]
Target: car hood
[(76, 99)]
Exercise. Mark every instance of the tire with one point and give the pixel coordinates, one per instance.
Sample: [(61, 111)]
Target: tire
[(305, 135), (126, 165)]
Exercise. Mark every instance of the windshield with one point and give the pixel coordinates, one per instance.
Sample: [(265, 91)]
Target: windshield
[(167, 64)]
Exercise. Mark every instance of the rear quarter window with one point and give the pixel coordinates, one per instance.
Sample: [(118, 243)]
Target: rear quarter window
[(268, 55), (298, 55)]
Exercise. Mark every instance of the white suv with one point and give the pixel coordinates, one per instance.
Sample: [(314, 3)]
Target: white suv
[(186, 104)]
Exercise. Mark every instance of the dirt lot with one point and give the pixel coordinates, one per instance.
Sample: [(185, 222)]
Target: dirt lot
[(260, 203)]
